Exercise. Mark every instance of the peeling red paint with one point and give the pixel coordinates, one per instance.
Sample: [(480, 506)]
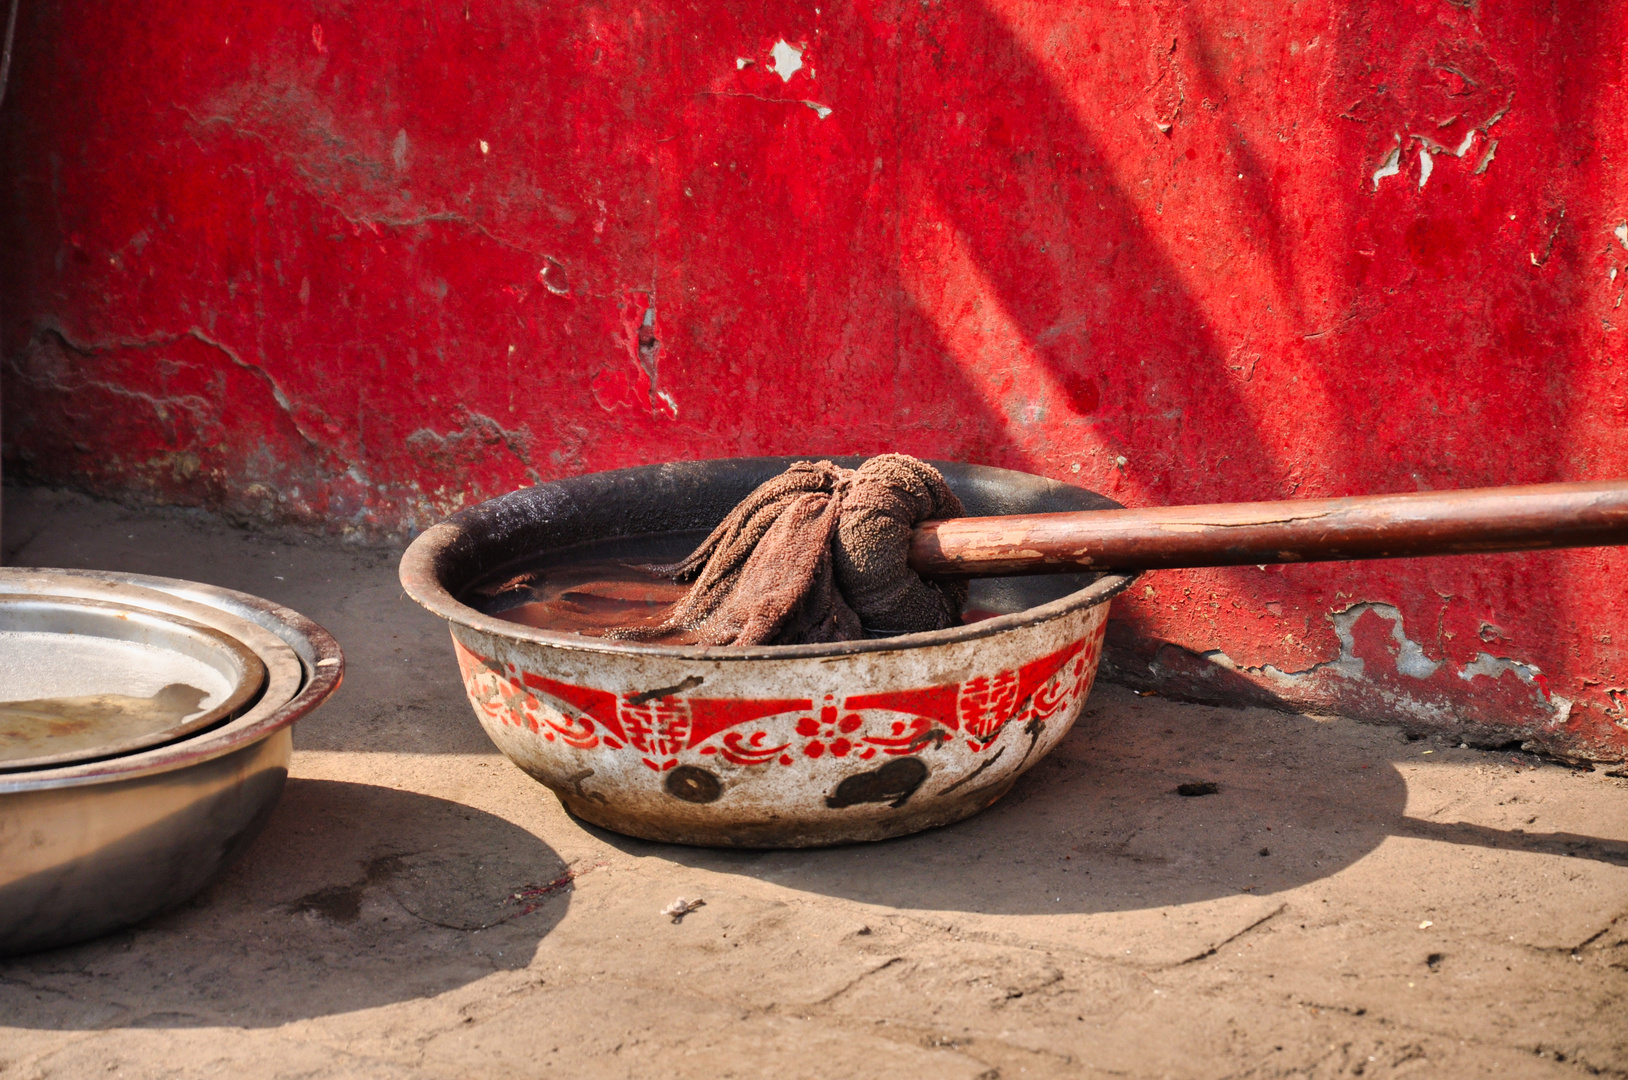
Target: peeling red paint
[(357, 267), (1378, 672)]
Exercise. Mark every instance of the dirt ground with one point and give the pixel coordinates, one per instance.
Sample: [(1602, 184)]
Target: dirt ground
[(1349, 903)]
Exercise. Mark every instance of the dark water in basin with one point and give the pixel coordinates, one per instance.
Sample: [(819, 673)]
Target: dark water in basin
[(591, 589)]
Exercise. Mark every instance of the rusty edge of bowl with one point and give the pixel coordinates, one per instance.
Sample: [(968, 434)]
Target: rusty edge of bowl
[(424, 558), (320, 656)]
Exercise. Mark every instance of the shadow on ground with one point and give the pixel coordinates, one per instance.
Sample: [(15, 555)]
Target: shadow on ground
[(1099, 825), (355, 896)]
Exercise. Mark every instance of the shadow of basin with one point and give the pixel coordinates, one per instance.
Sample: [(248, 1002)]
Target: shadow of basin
[(354, 896), (1100, 826)]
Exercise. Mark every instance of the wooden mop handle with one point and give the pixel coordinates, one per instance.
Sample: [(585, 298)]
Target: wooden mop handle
[(1311, 530)]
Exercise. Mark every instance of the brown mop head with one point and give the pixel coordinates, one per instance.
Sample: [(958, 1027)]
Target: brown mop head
[(818, 554)]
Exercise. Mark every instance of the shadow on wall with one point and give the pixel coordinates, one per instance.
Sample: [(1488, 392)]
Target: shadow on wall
[(1005, 302), (355, 896)]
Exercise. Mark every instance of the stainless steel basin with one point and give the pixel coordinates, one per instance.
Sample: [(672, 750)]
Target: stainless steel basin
[(89, 848)]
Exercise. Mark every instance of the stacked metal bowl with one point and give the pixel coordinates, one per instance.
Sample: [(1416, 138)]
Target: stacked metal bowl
[(144, 739)]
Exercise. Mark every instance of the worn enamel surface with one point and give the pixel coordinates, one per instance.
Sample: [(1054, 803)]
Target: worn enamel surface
[(783, 752)]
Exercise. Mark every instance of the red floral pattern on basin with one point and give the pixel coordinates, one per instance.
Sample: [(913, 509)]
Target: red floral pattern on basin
[(861, 726)]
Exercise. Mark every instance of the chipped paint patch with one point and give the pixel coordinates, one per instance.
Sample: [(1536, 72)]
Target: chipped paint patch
[(1391, 165), (1499, 115), (788, 60), (553, 278), (1621, 233), (1410, 658), (822, 111), (1425, 167), (1355, 666), (1494, 667), (636, 387)]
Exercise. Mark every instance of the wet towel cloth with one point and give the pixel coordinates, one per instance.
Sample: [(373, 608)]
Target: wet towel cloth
[(818, 554)]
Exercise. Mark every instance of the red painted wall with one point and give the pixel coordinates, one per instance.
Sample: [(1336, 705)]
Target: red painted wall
[(357, 265)]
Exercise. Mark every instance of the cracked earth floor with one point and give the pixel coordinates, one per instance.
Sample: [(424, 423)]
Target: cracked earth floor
[(1348, 904)]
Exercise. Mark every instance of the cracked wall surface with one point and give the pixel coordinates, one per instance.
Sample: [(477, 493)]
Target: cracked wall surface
[(357, 268)]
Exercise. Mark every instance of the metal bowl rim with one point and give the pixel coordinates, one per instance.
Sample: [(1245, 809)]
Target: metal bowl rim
[(423, 584), (251, 683), (319, 654)]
